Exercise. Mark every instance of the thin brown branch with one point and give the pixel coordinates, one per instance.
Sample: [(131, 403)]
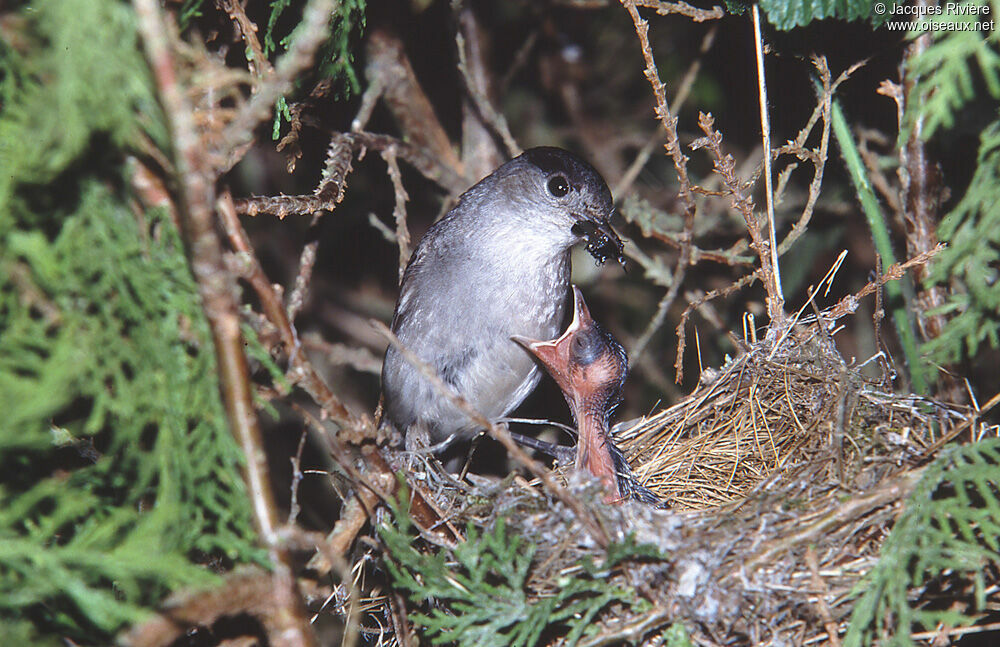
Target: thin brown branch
[(931, 451), (819, 156), (872, 162), (683, 261), (308, 36), (696, 14), (250, 592), (682, 338), (389, 68), (680, 160), (634, 631), (896, 271), (399, 210), (490, 115), (338, 164), (358, 358), (480, 153), (293, 507), (683, 91), (731, 257), (307, 261), (297, 118), (956, 632), (812, 561), (922, 193), (354, 428), (217, 288), (301, 371), (663, 113), (259, 66), (725, 166), (895, 490)]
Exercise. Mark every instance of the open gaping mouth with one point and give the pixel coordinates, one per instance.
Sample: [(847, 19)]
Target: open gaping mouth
[(602, 241)]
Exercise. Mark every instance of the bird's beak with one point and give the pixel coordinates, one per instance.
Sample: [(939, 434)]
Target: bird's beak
[(554, 354), (602, 241)]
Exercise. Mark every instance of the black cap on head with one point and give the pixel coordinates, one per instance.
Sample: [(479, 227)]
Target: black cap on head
[(553, 160)]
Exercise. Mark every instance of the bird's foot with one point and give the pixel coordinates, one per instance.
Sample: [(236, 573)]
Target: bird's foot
[(563, 455)]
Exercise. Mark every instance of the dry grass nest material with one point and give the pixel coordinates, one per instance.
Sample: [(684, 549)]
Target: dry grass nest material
[(784, 464)]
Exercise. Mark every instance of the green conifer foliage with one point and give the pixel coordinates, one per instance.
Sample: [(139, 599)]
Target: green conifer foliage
[(117, 472), (958, 67), (951, 525)]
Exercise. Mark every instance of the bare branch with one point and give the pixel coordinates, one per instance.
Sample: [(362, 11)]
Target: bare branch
[(308, 36), (490, 115), (338, 164), (218, 289), (399, 210), (390, 69), (696, 14), (896, 271)]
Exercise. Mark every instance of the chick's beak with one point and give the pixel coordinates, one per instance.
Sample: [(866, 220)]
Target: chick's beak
[(554, 354)]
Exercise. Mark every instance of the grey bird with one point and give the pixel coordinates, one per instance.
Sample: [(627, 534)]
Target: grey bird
[(496, 266)]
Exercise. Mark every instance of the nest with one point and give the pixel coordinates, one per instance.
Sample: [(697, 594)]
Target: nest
[(781, 409), (783, 473)]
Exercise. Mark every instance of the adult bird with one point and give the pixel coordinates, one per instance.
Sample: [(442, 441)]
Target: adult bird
[(496, 266), (590, 367)]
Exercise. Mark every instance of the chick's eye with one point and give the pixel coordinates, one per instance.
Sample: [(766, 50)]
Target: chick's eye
[(558, 186)]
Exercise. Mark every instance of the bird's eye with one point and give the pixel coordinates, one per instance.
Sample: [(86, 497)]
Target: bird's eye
[(558, 186)]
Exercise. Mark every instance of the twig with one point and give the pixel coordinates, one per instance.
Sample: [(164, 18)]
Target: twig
[(872, 160), (399, 210), (893, 491), (327, 195), (358, 358), (293, 507), (878, 314), (260, 67), (290, 142), (307, 260), (683, 261), (681, 337), (956, 631), (817, 157), (812, 561), (480, 152), (694, 13), (490, 115), (896, 271), (330, 190), (880, 234), (662, 109), (632, 632), (389, 67), (217, 289), (680, 160), (300, 370), (954, 433), (308, 36), (765, 130), (921, 188), (358, 429), (725, 166), (683, 90)]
